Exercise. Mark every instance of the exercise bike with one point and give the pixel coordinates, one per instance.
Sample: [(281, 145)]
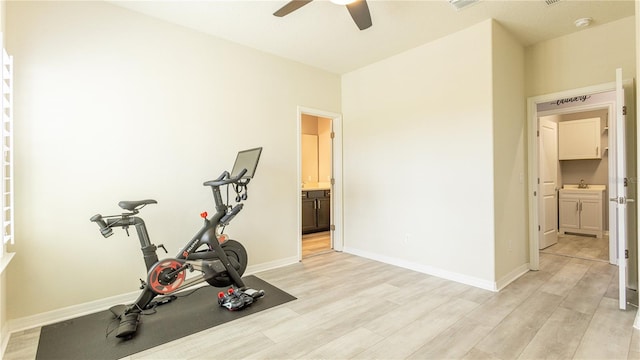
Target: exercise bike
[(214, 257)]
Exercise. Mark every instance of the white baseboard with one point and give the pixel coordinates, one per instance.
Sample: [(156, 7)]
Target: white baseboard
[(636, 324), (512, 276), (426, 269), (70, 312), (253, 269)]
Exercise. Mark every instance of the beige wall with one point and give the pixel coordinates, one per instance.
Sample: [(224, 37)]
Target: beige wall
[(443, 164), (418, 158), (509, 157), (104, 118), (585, 58)]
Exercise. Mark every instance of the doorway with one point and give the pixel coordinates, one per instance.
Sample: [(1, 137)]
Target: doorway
[(574, 179), (578, 101), (319, 182)]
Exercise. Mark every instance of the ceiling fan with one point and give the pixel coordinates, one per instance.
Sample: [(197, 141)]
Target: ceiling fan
[(358, 9)]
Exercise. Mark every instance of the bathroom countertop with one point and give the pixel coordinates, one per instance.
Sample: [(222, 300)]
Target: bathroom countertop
[(312, 188), (589, 187)]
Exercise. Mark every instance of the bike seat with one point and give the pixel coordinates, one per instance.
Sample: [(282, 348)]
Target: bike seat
[(132, 205)]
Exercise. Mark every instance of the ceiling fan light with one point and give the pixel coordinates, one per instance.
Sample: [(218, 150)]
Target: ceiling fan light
[(584, 22), (342, 2)]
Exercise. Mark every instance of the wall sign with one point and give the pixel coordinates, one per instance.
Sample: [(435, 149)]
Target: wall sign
[(581, 100)]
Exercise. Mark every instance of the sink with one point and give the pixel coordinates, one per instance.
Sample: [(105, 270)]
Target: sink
[(316, 186), (589, 187)]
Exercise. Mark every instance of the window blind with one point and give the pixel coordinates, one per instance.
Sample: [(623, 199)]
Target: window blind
[(7, 148)]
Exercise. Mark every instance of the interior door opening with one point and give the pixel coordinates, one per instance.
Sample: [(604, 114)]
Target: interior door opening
[(573, 185), (316, 175), (320, 184), (593, 102)]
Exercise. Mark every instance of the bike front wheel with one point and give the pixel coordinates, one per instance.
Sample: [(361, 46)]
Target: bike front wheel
[(237, 255)]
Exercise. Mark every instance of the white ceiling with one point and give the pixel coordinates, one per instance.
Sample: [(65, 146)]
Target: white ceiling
[(323, 35)]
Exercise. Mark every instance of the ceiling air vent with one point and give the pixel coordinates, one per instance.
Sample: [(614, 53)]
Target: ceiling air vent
[(551, 2), (459, 4)]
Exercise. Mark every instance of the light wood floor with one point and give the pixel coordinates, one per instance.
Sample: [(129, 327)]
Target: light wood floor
[(316, 243), (583, 247), (353, 308)]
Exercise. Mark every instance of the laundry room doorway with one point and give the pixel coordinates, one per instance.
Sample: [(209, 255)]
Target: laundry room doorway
[(597, 114)]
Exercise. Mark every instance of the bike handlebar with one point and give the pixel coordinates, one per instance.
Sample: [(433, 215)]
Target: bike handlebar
[(105, 230), (225, 179)]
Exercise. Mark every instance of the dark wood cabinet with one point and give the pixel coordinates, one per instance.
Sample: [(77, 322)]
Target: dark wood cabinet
[(316, 211), (324, 213), (308, 214)]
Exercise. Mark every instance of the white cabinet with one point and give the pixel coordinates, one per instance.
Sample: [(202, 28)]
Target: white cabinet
[(581, 211), (579, 139)]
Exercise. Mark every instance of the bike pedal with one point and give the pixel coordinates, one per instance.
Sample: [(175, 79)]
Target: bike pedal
[(160, 301), (256, 294), (166, 300)]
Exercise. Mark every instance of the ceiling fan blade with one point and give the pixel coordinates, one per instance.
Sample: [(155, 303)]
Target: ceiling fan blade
[(290, 7), (359, 11)]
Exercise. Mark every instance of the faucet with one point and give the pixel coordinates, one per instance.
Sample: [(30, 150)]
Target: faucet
[(582, 185)]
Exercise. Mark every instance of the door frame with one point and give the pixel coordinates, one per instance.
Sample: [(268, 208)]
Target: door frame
[(533, 161), (611, 110), (337, 235)]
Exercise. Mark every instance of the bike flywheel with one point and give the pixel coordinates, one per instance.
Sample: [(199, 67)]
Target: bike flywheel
[(164, 277)]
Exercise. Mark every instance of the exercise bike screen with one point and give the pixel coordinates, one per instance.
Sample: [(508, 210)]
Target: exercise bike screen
[(246, 159)]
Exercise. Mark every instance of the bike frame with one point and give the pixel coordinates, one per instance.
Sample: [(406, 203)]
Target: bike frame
[(189, 258), (167, 276)]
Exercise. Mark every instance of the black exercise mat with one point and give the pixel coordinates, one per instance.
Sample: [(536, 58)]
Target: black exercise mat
[(84, 338)]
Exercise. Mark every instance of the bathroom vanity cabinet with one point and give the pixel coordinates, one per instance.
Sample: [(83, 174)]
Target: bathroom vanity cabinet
[(579, 139), (316, 211), (581, 211)]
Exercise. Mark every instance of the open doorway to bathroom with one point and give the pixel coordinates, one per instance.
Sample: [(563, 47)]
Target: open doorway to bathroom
[(320, 180), (316, 174)]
